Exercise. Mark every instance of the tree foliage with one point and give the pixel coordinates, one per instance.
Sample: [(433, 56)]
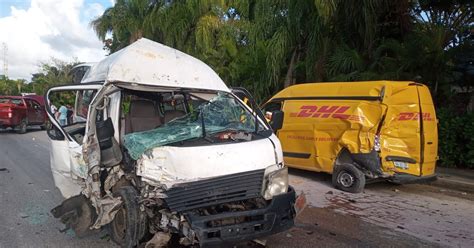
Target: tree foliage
[(266, 45), (51, 73)]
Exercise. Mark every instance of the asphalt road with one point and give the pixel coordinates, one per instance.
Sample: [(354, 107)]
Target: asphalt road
[(384, 215)]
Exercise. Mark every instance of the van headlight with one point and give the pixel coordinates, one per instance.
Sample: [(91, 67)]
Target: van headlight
[(276, 183)]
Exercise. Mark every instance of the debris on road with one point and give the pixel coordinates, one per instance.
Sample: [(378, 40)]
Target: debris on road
[(4, 169), (23, 215)]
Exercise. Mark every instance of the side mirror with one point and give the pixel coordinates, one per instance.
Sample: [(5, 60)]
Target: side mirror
[(54, 133), (276, 121)]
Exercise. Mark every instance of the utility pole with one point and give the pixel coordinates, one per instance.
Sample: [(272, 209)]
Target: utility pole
[(5, 65), (5, 60)]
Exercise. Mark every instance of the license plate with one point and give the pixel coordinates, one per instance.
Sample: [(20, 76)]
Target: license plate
[(401, 165)]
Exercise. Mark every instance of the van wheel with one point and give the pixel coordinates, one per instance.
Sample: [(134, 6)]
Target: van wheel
[(127, 227), (348, 178), (22, 128)]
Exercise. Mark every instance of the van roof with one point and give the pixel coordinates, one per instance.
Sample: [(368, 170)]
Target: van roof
[(146, 62), (338, 89)]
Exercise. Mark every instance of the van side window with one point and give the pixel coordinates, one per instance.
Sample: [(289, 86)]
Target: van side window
[(173, 107), (272, 106), (84, 98), (176, 104)]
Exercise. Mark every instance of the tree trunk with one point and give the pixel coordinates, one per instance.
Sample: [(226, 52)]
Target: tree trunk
[(291, 68)]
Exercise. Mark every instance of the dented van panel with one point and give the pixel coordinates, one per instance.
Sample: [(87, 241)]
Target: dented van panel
[(322, 129), (384, 124), (168, 165)]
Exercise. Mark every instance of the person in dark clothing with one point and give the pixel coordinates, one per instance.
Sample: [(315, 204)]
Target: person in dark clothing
[(69, 114)]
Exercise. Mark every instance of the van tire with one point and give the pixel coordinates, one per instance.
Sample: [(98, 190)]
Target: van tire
[(22, 127), (126, 227), (349, 178)]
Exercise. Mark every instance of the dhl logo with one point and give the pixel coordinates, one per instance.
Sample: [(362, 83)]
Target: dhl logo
[(337, 112), (413, 116)]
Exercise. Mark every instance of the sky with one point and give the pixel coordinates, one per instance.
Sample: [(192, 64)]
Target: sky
[(37, 30)]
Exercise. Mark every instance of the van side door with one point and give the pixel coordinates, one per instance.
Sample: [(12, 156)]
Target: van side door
[(67, 164), (429, 127)]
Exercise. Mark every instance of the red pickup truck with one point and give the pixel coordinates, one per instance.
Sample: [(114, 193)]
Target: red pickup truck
[(19, 112)]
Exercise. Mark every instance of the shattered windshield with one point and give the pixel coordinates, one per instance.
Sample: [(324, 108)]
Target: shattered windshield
[(221, 113)]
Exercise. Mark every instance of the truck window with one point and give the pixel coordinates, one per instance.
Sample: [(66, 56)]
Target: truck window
[(29, 103), (34, 104), (9, 100)]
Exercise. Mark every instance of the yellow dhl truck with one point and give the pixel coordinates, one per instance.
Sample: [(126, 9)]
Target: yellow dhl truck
[(358, 131)]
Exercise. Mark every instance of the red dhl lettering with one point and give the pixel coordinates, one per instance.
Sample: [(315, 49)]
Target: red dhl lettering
[(413, 116), (336, 112)]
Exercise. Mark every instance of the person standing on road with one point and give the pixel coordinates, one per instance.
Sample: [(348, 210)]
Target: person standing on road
[(54, 110), (69, 114), (62, 115)]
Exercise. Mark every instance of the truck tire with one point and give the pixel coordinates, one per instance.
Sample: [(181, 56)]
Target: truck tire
[(349, 178), (46, 125), (126, 229), (22, 127)]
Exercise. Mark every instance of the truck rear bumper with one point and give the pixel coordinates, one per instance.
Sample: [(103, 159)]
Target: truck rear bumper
[(402, 178), (4, 123), (276, 217)]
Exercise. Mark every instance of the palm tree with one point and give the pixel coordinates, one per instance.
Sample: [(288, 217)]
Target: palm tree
[(125, 22)]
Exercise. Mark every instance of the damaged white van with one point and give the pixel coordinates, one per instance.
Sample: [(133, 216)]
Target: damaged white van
[(158, 149)]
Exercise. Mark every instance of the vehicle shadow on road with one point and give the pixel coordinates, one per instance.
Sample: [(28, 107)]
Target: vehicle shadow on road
[(311, 175), (326, 179), (12, 131)]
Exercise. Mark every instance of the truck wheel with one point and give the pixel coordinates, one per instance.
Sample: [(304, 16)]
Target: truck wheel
[(46, 126), (126, 229), (22, 128), (348, 178)]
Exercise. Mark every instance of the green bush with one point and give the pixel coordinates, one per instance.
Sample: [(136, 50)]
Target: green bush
[(456, 139)]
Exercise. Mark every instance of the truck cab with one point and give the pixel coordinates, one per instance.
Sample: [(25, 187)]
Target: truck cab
[(19, 112), (160, 147)]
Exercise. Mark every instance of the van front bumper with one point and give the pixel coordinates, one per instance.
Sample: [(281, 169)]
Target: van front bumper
[(402, 178), (276, 217)]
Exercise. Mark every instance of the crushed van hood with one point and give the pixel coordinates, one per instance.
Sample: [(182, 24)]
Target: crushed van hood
[(169, 165)]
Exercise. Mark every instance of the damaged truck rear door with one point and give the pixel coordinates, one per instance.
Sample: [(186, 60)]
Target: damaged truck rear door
[(160, 147)]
